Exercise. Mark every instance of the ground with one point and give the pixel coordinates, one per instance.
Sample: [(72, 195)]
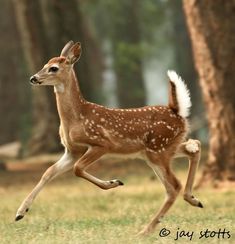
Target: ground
[(72, 210)]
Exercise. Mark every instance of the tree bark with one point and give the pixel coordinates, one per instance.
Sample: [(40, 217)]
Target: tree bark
[(44, 135), (212, 30), (11, 105)]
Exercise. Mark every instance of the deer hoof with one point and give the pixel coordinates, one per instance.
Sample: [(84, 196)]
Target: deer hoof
[(200, 205), (19, 217), (118, 182)]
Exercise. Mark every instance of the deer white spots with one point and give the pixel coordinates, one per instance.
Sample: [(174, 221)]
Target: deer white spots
[(102, 119), (94, 137), (170, 128)]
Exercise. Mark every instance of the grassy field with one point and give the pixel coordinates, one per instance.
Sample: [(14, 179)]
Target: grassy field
[(71, 210)]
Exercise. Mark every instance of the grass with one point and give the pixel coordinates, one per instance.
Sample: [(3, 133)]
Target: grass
[(71, 210)]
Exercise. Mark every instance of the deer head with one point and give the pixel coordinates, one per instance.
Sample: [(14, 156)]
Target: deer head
[(54, 73)]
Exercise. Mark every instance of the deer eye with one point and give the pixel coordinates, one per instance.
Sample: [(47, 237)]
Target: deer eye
[(53, 69)]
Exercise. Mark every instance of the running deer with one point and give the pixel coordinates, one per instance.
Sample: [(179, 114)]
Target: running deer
[(89, 131)]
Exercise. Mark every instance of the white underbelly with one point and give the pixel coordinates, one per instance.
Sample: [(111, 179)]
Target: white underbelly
[(136, 155)]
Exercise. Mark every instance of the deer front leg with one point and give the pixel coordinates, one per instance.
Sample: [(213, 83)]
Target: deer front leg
[(64, 164), (93, 154), (191, 149)]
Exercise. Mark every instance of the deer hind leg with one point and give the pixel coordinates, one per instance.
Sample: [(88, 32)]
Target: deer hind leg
[(172, 186), (64, 164), (191, 149), (93, 154)]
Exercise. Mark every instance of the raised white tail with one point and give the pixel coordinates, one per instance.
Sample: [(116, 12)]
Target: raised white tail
[(180, 96)]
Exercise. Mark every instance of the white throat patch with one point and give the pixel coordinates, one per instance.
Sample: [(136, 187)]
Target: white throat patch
[(59, 88)]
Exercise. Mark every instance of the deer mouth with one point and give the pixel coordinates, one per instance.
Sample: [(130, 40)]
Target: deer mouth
[(34, 80)]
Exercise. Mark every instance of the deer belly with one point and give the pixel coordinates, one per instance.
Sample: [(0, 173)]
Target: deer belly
[(135, 155)]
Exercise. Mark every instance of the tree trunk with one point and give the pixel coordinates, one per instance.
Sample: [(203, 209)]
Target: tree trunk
[(128, 56), (44, 136), (11, 70), (212, 30)]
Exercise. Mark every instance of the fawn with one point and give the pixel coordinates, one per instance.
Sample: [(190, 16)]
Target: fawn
[(89, 131)]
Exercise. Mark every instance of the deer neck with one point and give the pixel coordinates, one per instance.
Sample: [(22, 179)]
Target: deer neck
[(69, 99)]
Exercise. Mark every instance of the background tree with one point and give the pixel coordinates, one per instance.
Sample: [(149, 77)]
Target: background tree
[(127, 54), (33, 39), (211, 26), (118, 25), (13, 104)]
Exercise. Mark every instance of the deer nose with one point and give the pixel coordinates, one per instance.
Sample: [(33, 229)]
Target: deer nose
[(33, 79)]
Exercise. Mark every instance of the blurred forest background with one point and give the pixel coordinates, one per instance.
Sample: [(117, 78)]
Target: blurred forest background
[(128, 46)]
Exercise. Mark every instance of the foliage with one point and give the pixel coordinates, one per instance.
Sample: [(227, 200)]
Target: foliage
[(153, 17)]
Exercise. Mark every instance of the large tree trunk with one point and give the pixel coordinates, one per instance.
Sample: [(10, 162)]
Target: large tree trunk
[(44, 137), (11, 73), (212, 30), (127, 55)]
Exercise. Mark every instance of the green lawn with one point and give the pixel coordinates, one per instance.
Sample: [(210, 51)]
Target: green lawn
[(71, 210)]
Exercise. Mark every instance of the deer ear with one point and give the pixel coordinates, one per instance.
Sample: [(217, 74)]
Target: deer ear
[(66, 48), (74, 53)]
